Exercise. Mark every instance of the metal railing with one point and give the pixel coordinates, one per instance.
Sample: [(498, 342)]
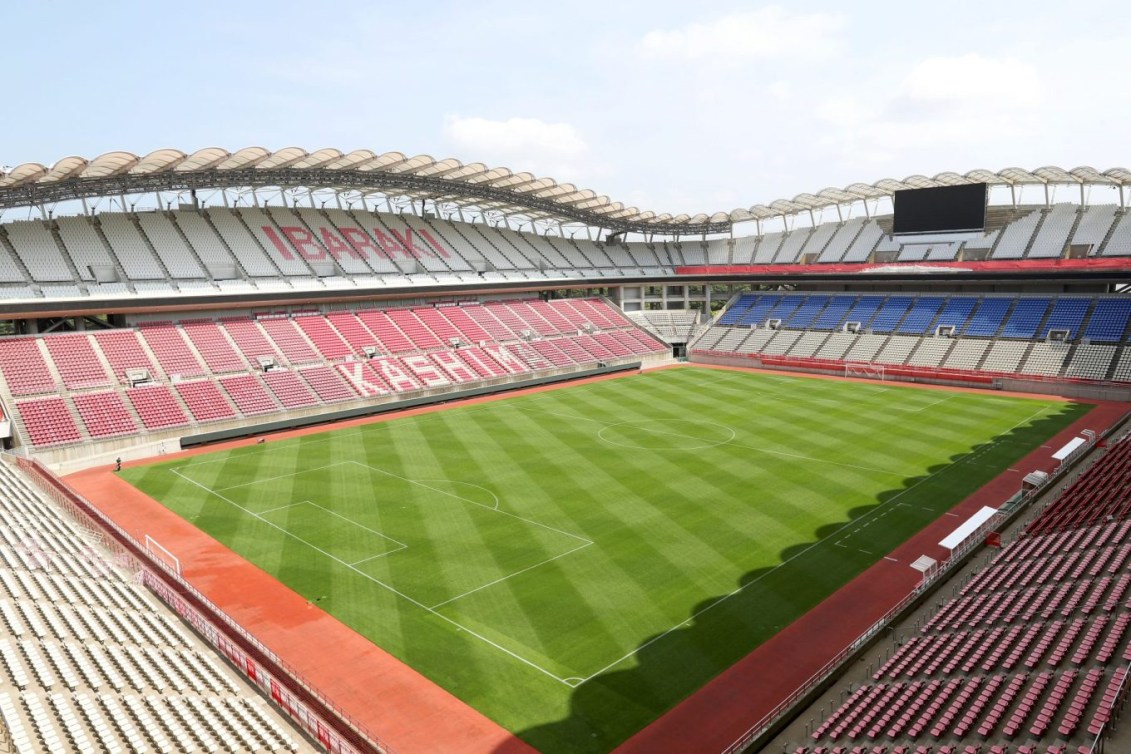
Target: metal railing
[(957, 556), (319, 716)]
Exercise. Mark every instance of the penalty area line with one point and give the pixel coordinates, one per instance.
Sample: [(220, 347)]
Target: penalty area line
[(382, 584), (509, 575)]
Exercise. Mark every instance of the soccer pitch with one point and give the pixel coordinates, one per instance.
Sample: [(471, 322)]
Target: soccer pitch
[(574, 562)]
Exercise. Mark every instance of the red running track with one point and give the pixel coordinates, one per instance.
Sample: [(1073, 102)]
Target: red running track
[(412, 714), (724, 709)]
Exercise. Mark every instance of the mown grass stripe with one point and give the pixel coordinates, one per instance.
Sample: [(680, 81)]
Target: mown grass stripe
[(689, 533)]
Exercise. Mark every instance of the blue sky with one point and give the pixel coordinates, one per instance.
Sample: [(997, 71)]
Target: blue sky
[(669, 106)]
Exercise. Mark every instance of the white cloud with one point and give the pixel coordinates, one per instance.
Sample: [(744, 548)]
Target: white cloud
[(974, 77), (780, 90), (522, 144), (942, 108), (764, 33)]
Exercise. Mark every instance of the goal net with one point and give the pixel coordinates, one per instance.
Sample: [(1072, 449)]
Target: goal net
[(864, 370), (162, 555)]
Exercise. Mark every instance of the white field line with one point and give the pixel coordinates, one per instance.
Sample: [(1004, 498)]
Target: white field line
[(333, 434), (467, 484), (379, 555), (571, 417), (926, 479), (774, 452), (725, 442), (742, 588), (280, 508), (280, 476), (472, 502), (819, 460), (575, 681), (400, 545), (509, 575), (382, 584), (726, 597), (337, 433), (921, 408)]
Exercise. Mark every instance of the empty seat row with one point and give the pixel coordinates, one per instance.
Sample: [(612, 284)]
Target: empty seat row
[(89, 663), (1035, 644)]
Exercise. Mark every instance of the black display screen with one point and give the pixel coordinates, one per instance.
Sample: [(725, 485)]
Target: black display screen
[(940, 210)]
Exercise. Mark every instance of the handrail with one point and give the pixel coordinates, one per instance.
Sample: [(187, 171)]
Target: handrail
[(939, 373), (956, 557), (833, 664), (303, 703)]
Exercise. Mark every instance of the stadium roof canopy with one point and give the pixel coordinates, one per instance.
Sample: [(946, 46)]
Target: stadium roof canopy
[(450, 181)]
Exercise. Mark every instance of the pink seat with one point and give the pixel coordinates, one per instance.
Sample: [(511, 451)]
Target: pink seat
[(105, 414), (204, 401), (48, 422)]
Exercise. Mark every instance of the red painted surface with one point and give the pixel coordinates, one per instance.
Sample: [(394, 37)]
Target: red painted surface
[(412, 714), (991, 265), (724, 709), (400, 706), (338, 242)]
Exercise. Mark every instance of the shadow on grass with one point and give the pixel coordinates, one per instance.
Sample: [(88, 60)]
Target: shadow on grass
[(610, 707)]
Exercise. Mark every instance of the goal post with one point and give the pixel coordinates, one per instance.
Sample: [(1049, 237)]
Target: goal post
[(162, 555), (864, 370)]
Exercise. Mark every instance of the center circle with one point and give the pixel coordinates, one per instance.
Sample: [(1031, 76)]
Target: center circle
[(666, 434)]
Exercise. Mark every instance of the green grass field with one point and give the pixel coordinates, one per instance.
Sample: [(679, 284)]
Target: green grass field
[(574, 562)]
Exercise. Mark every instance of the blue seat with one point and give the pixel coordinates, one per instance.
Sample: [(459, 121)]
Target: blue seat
[(759, 313), (957, 312), (1026, 318), (864, 310), (834, 314), (891, 313), (1109, 320), (806, 313), (786, 307), (922, 313), (987, 318), (1066, 314), (738, 308)]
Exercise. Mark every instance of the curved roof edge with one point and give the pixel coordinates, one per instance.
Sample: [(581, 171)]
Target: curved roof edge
[(449, 180), (420, 177)]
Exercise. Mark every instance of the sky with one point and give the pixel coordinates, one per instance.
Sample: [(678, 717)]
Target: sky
[(669, 106)]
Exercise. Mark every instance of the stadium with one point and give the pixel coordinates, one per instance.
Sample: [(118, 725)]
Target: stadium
[(362, 452)]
